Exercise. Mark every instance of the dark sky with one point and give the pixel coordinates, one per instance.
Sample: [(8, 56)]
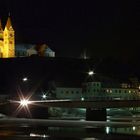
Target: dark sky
[(99, 27)]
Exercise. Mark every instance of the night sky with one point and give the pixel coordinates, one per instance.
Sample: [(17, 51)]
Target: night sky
[(104, 29)]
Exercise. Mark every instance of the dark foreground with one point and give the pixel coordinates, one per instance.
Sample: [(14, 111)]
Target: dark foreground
[(59, 133)]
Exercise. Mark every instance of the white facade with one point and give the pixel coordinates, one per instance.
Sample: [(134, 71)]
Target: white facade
[(68, 93), (94, 90), (48, 53), (31, 51), (24, 50)]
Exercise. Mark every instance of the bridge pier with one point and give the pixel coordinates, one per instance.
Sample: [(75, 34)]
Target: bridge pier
[(93, 114)]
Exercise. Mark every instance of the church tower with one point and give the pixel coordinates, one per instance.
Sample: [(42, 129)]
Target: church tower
[(8, 40), (1, 40)]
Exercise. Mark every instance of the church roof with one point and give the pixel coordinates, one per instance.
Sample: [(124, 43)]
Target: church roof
[(1, 29), (8, 24)]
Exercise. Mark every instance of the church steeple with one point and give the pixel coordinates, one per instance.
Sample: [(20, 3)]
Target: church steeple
[(9, 40), (8, 23), (1, 31)]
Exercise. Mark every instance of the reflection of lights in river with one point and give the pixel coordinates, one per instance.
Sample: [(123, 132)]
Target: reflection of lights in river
[(107, 130), (39, 135), (89, 139)]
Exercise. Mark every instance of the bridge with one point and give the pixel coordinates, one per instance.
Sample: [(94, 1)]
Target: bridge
[(89, 103), (95, 109)]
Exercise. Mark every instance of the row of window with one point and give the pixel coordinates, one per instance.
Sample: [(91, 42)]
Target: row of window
[(94, 84), (119, 91), (21, 53), (98, 90), (94, 90), (72, 92)]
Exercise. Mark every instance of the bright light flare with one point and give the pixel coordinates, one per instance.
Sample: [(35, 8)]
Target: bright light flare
[(91, 73), (44, 96), (25, 79), (24, 102)]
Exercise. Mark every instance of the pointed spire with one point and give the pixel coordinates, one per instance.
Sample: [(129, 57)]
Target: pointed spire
[(1, 29), (8, 24)]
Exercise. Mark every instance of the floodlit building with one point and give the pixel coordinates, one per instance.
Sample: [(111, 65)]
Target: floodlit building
[(7, 40), (25, 50), (97, 90), (9, 49)]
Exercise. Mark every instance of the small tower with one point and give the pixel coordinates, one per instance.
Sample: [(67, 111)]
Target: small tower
[(1, 40), (9, 40)]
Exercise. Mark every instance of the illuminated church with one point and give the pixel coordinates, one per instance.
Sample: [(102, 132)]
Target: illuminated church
[(9, 49), (7, 40)]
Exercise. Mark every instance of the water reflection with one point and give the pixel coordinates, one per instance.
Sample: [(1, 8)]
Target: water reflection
[(63, 133), (39, 135)]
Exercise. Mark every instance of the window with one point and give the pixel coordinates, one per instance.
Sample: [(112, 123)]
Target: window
[(107, 90), (67, 91), (77, 91), (98, 84), (116, 90), (119, 91)]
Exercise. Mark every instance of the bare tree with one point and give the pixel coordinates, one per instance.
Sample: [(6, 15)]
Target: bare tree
[(41, 48)]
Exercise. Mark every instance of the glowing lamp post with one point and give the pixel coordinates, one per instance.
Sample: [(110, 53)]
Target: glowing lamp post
[(24, 102), (90, 73), (44, 96), (25, 79)]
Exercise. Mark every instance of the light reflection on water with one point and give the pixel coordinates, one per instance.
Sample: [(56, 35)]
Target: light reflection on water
[(126, 130), (39, 135), (60, 133)]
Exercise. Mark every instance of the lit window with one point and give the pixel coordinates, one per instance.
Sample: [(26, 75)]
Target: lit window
[(110, 91), (107, 90), (129, 91)]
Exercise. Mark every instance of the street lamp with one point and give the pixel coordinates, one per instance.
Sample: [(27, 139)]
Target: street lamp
[(25, 79), (90, 73), (24, 102), (44, 96), (82, 99)]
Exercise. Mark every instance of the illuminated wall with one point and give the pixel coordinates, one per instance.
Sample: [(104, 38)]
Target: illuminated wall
[(7, 40)]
